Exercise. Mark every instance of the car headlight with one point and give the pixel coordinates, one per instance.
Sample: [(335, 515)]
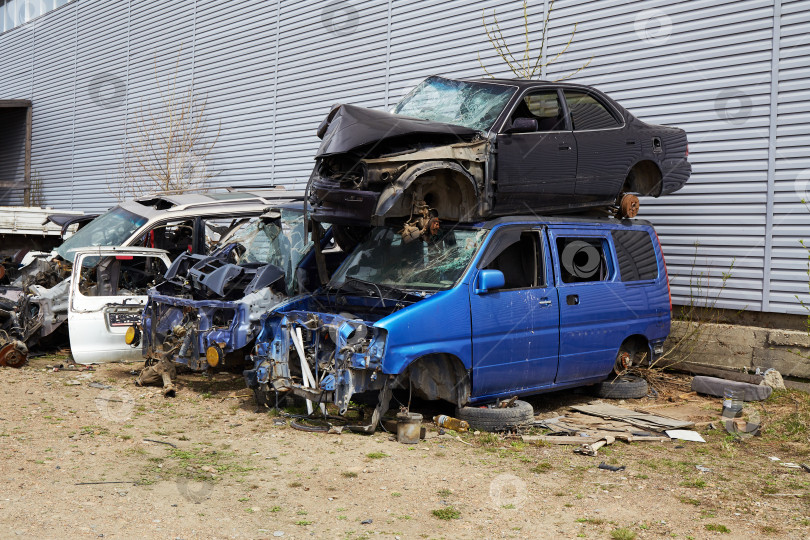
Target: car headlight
[(214, 355), (133, 336)]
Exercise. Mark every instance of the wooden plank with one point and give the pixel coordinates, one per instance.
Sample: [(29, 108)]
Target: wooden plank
[(561, 439), (645, 420), (714, 371)]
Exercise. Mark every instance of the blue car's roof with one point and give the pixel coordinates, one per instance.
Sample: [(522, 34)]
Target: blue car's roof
[(561, 220)]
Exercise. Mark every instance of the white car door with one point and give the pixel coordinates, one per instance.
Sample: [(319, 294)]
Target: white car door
[(107, 294)]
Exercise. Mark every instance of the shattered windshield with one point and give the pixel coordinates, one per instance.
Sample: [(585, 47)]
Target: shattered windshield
[(462, 103), (110, 229), (384, 258), (280, 242)]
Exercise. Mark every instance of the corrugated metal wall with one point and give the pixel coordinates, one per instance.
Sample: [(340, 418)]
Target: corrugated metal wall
[(272, 69), (12, 152)]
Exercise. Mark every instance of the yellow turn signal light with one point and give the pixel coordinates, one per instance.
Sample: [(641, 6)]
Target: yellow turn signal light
[(133, 335), (213, 355)]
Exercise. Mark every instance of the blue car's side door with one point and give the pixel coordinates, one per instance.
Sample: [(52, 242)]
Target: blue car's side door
[(515, 332), (596, 310)]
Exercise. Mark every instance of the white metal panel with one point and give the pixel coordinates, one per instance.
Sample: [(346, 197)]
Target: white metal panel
[(791, 222), (234, 65), (324, 57), (100, 96), (54, 55), (704, 66)]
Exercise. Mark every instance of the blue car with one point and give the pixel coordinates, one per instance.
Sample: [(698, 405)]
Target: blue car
[(472, 313)]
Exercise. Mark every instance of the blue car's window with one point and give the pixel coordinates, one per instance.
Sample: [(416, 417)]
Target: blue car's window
[(582, 259), (520, 262), (636, 255), (110, 229), (470, 104), (385, 258)]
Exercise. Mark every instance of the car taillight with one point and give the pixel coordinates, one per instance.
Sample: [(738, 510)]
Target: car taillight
[(666, 274), (687, 149)]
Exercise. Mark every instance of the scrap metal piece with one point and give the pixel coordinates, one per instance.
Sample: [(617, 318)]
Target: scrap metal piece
[(14, 354), (163, 372), (590, 449)]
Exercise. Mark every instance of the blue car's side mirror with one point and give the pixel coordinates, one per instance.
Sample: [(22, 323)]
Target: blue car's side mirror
[(489, 279)]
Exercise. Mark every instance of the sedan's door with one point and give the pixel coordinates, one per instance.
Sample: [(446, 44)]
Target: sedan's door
[(107, 294), (606, 149), (537, 168), (515, 333)]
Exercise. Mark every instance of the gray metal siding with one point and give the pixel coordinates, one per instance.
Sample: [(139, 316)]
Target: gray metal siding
[(271, 70), (789, 262)]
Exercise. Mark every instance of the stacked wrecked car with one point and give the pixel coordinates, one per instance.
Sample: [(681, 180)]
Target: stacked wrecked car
[(445, 296), (489, 245)]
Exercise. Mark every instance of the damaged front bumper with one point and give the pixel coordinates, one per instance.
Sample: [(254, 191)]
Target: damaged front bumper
[(321, 357), (202, 334)]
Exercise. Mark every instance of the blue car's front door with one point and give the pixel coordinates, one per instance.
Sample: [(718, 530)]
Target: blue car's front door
[(515, 329)]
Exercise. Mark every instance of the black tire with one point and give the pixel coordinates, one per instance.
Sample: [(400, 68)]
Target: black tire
[(491, 419), (622, 387)]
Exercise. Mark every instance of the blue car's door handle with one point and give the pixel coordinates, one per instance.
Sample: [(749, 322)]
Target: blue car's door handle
[(544, 302)]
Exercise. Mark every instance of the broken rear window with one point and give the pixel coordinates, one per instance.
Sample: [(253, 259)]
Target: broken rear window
[(462, 103), (386, 259)]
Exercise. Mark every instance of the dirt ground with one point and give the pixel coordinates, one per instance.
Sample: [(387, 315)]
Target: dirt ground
[(84, 461)]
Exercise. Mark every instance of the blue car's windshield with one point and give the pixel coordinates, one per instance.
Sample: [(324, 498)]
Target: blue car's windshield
[(470, 104), (384, 258), (113, 228)]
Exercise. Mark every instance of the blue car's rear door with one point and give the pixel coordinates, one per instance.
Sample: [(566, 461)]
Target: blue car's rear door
[(515, 334), (596, 309)]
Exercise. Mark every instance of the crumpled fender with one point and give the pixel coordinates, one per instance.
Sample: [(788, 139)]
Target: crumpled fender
[(394, 193)]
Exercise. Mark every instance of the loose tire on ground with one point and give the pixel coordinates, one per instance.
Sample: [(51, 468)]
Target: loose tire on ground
[(622, 387), (491, 419)]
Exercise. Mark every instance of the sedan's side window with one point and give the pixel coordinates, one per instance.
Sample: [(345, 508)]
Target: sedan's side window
[(544, 107), (517, 255), (587, 113)]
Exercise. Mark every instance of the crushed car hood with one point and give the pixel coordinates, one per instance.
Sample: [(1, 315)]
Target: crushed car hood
[(348, 127)]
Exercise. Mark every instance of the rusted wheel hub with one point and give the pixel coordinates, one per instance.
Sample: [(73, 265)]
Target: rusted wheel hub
[(13, 354), (629, 205), (624, 361)]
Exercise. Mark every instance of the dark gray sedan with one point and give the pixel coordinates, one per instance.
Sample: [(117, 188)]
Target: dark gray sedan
[(466, 150)]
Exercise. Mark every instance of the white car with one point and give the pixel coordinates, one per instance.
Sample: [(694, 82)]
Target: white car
[(175, 223)]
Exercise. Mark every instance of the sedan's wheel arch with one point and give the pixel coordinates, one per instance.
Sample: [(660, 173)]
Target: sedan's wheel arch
[(445, 185), (644, 178)]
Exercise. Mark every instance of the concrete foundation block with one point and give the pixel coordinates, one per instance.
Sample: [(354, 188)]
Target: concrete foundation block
[(782, 360)]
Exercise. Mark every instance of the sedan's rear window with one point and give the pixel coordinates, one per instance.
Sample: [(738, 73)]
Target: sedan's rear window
[(587, 113), (636, 254)]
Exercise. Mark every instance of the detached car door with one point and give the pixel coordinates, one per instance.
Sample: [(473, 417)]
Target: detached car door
[(107, 294)]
